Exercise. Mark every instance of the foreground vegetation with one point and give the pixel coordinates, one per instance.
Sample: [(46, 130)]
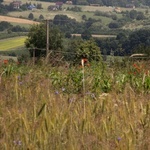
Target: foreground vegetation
[(100, 107)]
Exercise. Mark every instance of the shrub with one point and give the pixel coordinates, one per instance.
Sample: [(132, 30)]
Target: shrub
[(31, 16)]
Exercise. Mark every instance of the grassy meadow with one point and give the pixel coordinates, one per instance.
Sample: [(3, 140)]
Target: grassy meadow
[(11, 43), (91, 108), (86, 10)]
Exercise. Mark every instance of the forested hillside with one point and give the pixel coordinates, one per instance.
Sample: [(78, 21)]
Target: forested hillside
[(122, 3)]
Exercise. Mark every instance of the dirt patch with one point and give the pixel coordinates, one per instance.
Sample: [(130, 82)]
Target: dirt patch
[(132, 26), (99, 8), (17, 20)]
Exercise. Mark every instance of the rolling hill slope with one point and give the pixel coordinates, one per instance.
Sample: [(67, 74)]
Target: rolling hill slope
[(17, 20)]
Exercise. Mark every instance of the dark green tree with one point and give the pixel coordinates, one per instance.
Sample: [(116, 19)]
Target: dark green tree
[(86, 35), (3, 10), (88, 49), (68, 35), (18, 28), (140, 16), (142, 49), (65, 23), (39, 6), (79, 49), (41, 17), (61, 20), (37, 39), (113, 25), (147, 2), (133, 14), (84, 17), (5, 25), (139, 38), (121, 37), (89, 22), (31, 16)]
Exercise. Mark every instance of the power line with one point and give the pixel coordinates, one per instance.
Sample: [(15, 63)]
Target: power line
[(44, 49)]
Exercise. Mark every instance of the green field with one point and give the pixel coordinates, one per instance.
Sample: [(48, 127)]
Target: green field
[(12, 43)]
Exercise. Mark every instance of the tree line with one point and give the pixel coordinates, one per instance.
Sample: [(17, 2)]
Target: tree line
[(121, 3), (76, 48), (6, 26)]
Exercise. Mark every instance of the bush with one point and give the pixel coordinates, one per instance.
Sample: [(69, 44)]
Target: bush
[(31, 16), (18, 29), (41, 17), (5, 25), (113, 25), (86, 35), (140, 16), (75, 8), (39, 6), (68, 35)]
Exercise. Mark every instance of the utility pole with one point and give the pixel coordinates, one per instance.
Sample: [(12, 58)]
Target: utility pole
[(33, 56), (47, 37)]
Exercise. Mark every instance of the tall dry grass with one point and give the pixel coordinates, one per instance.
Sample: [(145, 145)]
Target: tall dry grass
[(35, 113)]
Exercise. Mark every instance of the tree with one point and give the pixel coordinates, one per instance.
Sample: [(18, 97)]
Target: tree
[(139, 37), (140, 16), (76, 9), (96, 27), (31, 16), (68, 35), (89, 22), (84, 17), (18, 28), (5, 25), (88, 49), (121, 37), (39, 6), (114, 17), (86, 35), (65, 23), (3, 9), (142, 49), (41, 17), (79, 49), (133, 14), (37, 39), (147, 2), (61, 20), (113, 25)]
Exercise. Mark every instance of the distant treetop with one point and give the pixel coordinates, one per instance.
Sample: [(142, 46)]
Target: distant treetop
[(122, 3)]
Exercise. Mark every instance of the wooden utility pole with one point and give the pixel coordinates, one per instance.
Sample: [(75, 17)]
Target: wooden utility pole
[(33, 56), (47, 37)]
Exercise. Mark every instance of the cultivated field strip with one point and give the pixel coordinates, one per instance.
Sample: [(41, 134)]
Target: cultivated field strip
[(17, 20), (12, 43)]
